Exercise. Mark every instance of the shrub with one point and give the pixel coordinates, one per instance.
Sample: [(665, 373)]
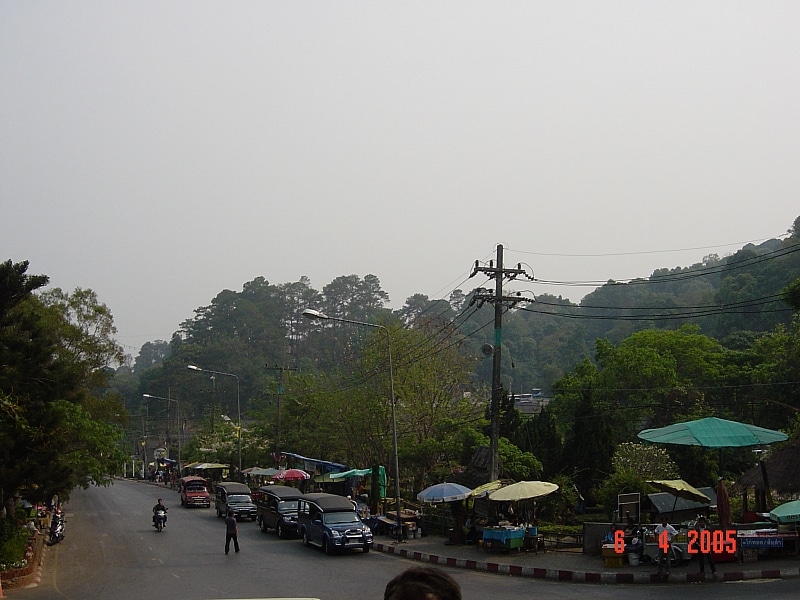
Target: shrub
[(13, 542)]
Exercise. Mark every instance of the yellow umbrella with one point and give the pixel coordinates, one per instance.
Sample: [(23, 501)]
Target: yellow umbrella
[(680, 489), (523, 490), (486, 488)]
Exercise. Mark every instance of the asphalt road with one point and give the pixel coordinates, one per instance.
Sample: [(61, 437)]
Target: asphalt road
[(111, 551)]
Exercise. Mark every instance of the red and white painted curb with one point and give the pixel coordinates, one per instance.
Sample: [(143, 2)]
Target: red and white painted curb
[(583, 576)]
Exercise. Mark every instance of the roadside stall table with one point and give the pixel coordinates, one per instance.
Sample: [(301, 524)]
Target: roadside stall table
[(612, 558), (533, 540), (408, 518), (749, 543), (503, 538)]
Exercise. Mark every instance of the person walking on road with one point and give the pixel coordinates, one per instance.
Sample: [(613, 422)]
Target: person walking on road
[(231, 532)]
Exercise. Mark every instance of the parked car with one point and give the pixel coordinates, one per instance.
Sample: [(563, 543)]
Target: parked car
[(331, 522), (193, 492), (232, 496), (277, 509)]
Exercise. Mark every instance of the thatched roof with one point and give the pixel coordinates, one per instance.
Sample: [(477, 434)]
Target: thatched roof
[(783, 470), (478, 470)]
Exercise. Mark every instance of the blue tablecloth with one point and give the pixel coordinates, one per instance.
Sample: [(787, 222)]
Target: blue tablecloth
[(502, 534)]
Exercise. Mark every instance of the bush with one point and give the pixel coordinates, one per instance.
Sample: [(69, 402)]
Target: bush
[(13, 542), (561, 529)]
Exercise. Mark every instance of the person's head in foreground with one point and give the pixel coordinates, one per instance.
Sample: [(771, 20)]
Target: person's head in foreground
[(422, 583)]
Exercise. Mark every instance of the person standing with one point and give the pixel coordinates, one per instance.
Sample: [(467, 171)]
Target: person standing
[(231, 532), (664, 530), (702, 557)]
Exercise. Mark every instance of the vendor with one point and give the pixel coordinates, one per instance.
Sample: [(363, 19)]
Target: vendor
[(610, 534)]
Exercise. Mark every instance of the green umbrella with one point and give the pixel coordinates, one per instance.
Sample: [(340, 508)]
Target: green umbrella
[(713, 432), (786, 513)]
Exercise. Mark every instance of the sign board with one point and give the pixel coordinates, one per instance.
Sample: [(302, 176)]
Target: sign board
[(761, 541), (159, 453)]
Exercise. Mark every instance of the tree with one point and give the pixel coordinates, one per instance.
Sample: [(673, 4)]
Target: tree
[(56, 349), (589, 448), (791, 295), (544, 442), (646, 461), (343, 411), (151, 354)]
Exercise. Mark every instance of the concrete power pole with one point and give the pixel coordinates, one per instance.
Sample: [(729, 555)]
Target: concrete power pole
[(482, 295), (280, 370)]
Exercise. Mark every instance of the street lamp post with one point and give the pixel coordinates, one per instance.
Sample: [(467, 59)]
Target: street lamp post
[(238, 405), (177, 420), (315, 314)]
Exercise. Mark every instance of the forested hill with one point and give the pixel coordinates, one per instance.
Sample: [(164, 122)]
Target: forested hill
[(732, 299)]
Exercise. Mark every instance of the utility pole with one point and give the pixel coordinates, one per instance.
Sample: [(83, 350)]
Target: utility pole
[(213, 405), (280, 370), (483, 295)]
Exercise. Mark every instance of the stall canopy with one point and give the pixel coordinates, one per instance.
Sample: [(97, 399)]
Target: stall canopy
[(268, 472), (209, 466), (351, 473)]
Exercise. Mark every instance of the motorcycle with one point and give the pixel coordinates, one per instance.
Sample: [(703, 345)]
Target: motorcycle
[(57, 524), (675, 555), (160, 519)]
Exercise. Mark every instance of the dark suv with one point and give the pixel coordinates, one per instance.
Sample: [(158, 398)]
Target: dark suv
[(277, 509), (331, 522), (234, 497)]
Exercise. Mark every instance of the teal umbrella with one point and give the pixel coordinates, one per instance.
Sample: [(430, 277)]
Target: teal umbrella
[(786, 513), (713, 432)]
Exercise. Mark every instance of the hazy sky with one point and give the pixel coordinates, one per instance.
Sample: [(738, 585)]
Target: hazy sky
[(160, 152)]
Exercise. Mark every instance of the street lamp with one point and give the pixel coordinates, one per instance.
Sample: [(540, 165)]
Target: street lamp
[(238, 406), (315, 314), (177, 420)]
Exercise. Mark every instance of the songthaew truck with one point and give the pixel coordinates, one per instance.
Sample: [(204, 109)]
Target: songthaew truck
[(194, 492)]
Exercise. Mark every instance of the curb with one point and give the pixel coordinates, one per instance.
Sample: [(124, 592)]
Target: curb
[(581, 576)]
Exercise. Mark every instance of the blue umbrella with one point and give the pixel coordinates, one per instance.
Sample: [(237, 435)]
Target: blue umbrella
[(444, 492)]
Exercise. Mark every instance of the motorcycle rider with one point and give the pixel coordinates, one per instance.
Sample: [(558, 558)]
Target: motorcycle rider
[(159, 506)]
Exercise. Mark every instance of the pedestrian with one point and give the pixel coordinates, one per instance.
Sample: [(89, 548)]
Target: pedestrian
[(231, 532), (702, 557), (668, 531), (422, 583)]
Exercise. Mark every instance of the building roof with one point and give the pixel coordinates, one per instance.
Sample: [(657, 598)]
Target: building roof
[(783, 470)]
